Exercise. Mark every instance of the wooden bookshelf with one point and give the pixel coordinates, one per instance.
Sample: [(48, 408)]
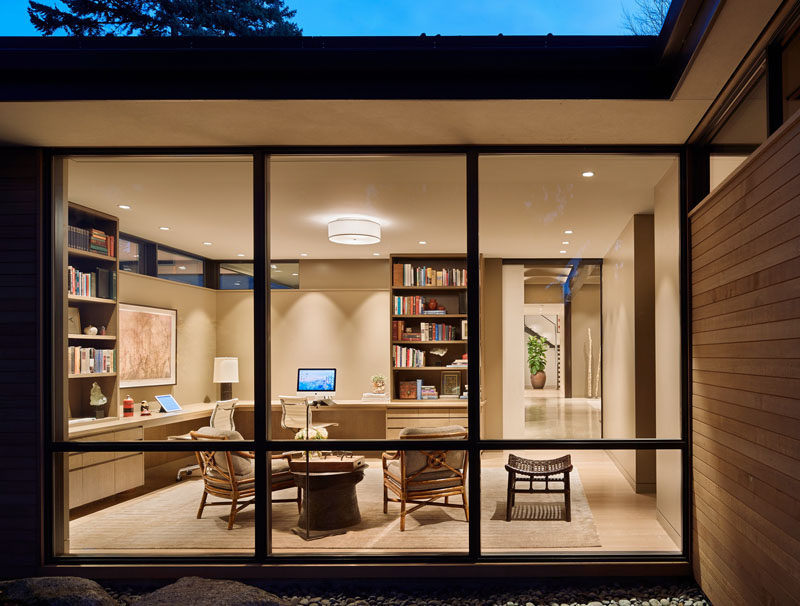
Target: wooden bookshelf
[(91, 309), (452, 298)]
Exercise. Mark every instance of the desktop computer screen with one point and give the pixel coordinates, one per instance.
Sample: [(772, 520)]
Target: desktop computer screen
[(316, 381)]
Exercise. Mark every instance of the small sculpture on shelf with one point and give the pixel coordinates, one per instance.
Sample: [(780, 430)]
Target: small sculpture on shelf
[(98, 400), (144, 409), (378, 383), (90, 330)]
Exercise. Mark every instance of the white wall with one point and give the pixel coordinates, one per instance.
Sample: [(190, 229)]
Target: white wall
[(513, 354), (668, 348)]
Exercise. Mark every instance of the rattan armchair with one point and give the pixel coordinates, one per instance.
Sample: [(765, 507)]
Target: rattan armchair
[(229, 475), (420, 477)]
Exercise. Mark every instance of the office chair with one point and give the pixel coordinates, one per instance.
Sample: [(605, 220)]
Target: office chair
[(296, 414), (222, 419)]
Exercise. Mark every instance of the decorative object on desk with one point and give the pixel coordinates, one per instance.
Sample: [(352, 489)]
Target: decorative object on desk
[(378, 383), (90, 330), (148, 338), (451, 384), (537, 346), (144, 409), (127, 406), (226, 371), (98, 400), (433, 304), (73, 321)]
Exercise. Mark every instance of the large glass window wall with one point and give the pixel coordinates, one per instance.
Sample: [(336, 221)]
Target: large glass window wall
[(393, 456)]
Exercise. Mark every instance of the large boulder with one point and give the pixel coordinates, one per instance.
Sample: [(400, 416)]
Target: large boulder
[(55, 591), (210, 592)]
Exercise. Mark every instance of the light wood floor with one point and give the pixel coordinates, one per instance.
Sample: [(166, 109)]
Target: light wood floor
[(548, 417)]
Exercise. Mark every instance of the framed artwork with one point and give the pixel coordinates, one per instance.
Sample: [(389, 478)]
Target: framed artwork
[(73, 321), (148, 339), (451, 384)]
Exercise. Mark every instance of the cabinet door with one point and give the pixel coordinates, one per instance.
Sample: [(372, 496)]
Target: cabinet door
[(76, 488), (129, 471), (98, 481)]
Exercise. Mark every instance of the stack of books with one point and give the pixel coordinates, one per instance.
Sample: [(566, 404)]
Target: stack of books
[(88, 360), (459, 363), (374, 397)]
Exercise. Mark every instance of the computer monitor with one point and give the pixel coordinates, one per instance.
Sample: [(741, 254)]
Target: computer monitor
[(316, 382)]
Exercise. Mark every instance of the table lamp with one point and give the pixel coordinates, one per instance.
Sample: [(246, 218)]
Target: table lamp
[(226, 371)]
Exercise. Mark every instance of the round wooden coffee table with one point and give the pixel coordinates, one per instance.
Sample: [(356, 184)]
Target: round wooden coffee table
[(330, 503)]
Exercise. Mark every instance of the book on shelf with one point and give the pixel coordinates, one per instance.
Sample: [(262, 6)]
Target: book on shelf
[(89, 360), (91, 240), (405, 274), (434, 312), (101, 283), (407, 357), (428, 392)]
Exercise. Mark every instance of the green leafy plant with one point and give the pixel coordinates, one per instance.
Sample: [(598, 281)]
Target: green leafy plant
[(537, 348)]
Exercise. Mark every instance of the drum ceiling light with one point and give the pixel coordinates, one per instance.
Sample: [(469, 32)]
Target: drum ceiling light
[(354, 231)]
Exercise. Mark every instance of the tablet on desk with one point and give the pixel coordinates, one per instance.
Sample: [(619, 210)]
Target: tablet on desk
[(168, 403)]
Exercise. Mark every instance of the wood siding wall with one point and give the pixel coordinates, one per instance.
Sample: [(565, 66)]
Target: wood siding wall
[(745, 303), (20, 504)]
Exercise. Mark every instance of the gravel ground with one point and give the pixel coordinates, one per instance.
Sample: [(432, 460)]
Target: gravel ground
[(653, 592)]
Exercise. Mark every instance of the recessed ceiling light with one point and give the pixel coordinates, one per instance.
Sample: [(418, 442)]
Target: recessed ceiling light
[(587, 173), (423, 242), (303, 254), (563, 252), (135, 256), (124, 206), (164, 228), (237, 283), (182, 267), (207, 243), (274, 266), (376, 254), (294, 274), (567, 231), (240, 254), (278, 271), (565, 242)]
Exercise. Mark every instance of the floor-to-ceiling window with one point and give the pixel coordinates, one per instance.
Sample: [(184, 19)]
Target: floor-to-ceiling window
[(358, 326)]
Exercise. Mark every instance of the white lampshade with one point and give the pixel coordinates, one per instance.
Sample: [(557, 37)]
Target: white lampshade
[(226, 370), (354, 231)]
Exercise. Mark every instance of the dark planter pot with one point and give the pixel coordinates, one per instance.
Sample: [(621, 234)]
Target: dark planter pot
[(538, 380)]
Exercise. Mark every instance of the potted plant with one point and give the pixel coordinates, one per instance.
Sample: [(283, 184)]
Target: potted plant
[(537, 347)]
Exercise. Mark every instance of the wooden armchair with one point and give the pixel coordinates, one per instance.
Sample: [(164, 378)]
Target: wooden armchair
[(420, 477), (230, 476)]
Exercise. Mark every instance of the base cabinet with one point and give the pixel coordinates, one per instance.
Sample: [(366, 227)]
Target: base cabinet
[(97, 475)]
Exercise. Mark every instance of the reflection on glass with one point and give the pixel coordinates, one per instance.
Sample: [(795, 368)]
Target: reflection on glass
[(129, 259), (128, 503), (580, 294), (542, 501), (747, 123), (179, 267)]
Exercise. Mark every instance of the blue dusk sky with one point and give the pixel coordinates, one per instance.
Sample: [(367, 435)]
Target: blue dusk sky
[(413, 17)]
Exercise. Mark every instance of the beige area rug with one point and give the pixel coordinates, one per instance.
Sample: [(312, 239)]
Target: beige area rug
[(165, 520)]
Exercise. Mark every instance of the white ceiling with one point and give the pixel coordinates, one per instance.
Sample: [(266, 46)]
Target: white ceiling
[(526, 202)]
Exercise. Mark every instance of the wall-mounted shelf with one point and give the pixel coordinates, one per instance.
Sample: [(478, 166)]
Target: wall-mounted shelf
[(90, 375), (92, 337), (88, 254), (80, 299)]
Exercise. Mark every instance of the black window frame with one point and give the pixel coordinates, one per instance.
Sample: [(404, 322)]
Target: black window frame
[(262, 445)]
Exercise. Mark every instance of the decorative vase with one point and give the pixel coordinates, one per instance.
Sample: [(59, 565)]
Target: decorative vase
[(432, 304), (538, 380), (378, 387)]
